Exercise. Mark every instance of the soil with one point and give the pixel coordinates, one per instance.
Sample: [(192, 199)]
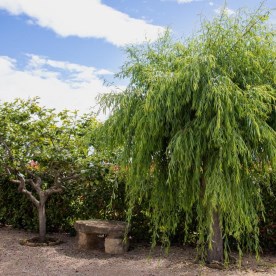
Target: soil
[(66, 259), (35, 241)]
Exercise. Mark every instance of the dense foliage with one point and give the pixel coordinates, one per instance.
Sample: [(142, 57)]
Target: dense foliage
[(43, 150), (101, 197), (59, 150), (194, 140), (194, 127)]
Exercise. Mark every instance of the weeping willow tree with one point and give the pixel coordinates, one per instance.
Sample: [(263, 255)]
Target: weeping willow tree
[(193, 126)]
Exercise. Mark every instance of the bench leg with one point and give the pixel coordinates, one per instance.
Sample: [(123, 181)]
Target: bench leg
[(89, 241), (115, 245)]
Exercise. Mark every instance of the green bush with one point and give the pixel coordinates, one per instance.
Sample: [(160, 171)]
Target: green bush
[(101, 197)]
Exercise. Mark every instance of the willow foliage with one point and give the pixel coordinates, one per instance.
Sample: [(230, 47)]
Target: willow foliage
[(199, 109)]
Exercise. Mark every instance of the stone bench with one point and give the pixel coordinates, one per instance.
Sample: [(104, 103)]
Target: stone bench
[(102, 234)]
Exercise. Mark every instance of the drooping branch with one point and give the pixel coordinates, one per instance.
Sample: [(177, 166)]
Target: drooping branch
[(251, 24)]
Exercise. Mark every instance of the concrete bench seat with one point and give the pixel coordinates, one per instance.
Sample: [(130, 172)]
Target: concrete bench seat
[(102, 234)]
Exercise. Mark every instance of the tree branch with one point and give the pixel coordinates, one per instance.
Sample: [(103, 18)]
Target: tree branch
[(31, 197), (22, 189), (74, 176), (249, 26), (53, 190), (16, 182), (8, 170), (8, 151), (36, 186)]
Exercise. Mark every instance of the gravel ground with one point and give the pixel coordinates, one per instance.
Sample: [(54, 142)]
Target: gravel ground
[(66, 259)]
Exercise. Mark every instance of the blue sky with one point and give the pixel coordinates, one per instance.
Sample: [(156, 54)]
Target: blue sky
[(62, 50)]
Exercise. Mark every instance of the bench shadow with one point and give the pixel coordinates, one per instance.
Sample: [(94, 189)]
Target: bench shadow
[(136, 252)]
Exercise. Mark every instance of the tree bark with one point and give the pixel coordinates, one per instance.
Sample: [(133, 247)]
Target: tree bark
[(215, 253), (42, 221)]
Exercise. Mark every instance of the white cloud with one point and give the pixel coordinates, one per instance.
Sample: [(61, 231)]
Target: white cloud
[(59, 84), (211, 3), (225, 10), (75, 72), (84, 18)]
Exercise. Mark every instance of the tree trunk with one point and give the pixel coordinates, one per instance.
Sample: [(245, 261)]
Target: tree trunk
[(42, 221), (216, 252)]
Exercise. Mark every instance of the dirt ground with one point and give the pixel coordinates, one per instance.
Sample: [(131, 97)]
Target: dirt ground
[(66, 259)]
